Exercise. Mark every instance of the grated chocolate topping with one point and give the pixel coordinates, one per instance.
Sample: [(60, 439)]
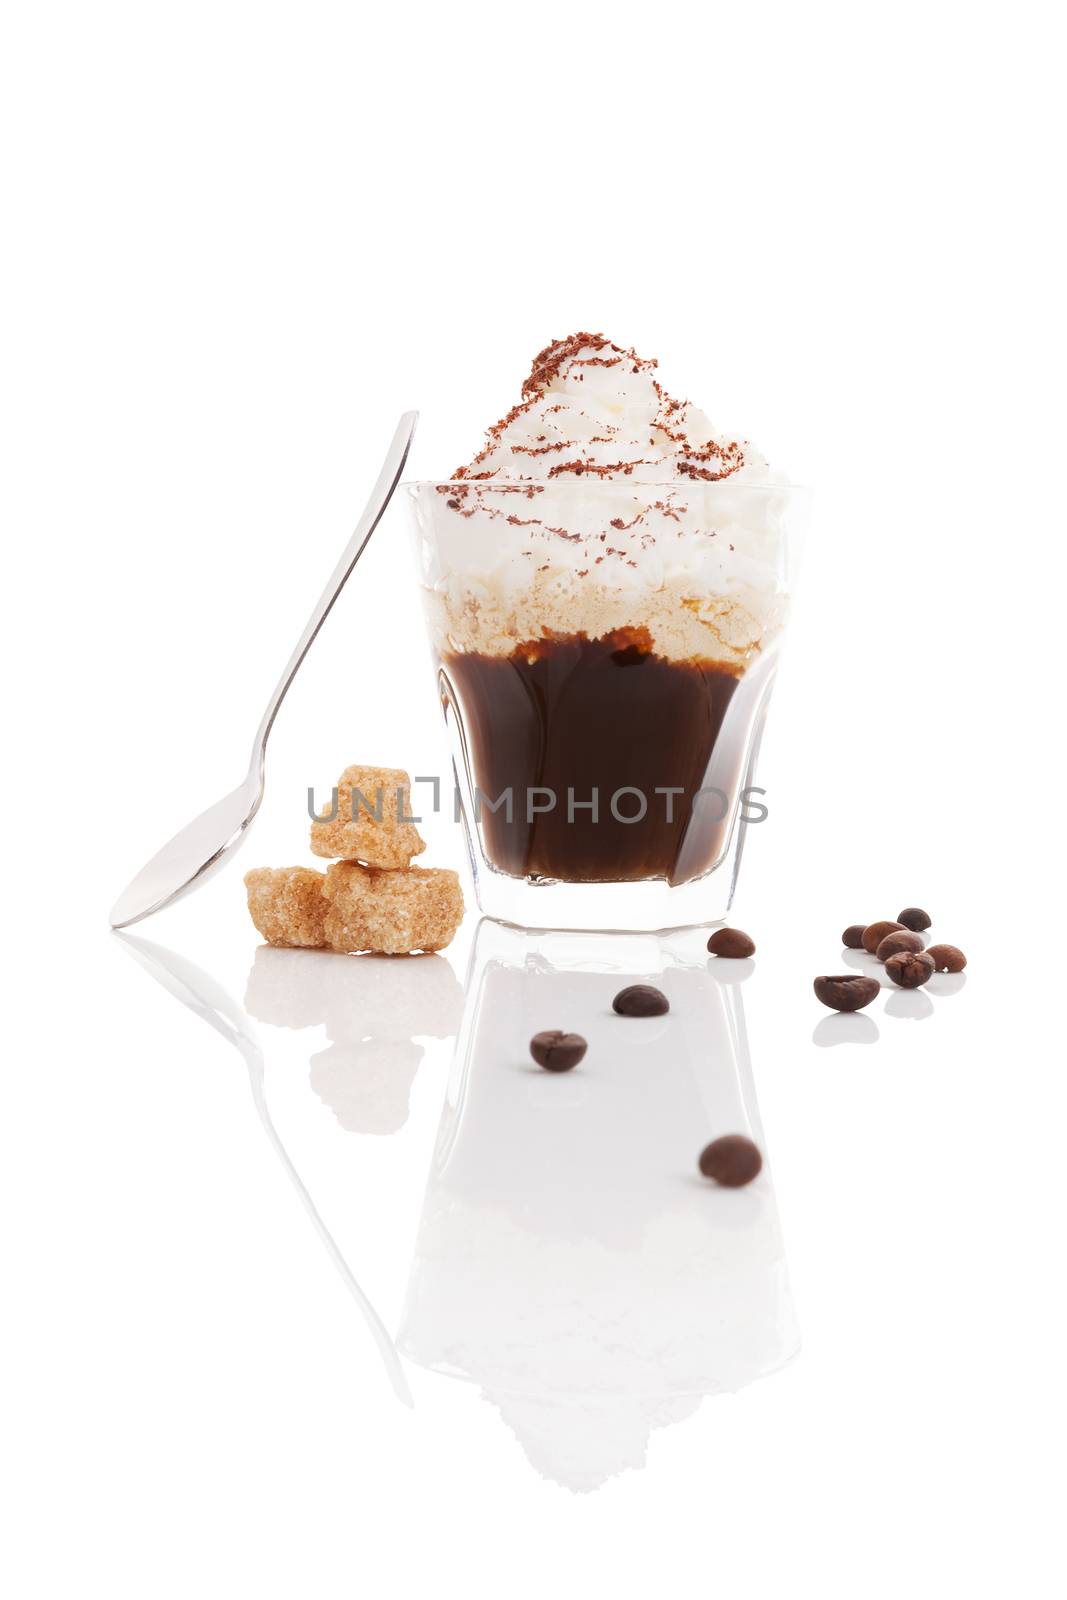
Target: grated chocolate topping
[(556, 369)]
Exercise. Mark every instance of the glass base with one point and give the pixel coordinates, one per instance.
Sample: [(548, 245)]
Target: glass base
[(649, 907)]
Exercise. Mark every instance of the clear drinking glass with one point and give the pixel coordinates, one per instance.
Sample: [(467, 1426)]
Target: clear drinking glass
[(605, 652)]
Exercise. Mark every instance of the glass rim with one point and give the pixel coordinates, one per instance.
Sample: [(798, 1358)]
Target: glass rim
[(575, 480)]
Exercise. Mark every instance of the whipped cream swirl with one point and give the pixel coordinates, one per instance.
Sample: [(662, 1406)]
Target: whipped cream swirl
[(592, 407), (601, 503)]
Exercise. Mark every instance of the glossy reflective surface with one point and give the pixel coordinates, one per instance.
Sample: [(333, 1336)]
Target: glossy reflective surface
[(315, 1264), (570, 1261)]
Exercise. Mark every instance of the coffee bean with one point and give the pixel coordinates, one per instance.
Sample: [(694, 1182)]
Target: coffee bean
[(910, 969), (946, 958), (641, 1000), (875, 932), (556, 1051), (852, 938), (732, 1161), (850, 992), (895, 944), (731, 942), (915, 919)]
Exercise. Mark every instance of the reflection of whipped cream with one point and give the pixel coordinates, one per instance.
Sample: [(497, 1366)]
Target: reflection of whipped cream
[(600, 503)]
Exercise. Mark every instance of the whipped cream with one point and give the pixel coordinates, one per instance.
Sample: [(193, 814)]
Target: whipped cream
[(591, 407), (600, 503)]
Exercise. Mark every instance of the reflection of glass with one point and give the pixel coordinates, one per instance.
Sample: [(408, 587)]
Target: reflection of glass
[(209, 1001), (373, 1009), (606, 651), (570, 1260)]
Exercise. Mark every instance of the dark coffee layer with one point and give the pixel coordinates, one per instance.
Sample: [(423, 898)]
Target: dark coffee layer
[(572, 715)]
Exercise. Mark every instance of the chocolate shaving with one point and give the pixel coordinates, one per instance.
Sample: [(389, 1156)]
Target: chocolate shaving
[(599, 469), (711, 461)]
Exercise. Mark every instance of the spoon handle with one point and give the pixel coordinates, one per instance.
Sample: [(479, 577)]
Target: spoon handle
[(381, 494)]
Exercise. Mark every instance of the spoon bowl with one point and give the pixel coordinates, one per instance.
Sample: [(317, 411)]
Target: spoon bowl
[(193, 856)]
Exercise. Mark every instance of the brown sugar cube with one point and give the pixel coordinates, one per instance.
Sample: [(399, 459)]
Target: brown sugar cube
[(391, 913), (368, 825), (287, 905)]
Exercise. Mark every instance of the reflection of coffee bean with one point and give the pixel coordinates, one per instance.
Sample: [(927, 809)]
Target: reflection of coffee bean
[(731, 942), (910, 969), (732, 1161), (851, 992), (640, 1000), (896, 944), (946, 958), (845, 1028), (556, 1051), (909, 1005), (915, 919), (875, 932), (852, 938)]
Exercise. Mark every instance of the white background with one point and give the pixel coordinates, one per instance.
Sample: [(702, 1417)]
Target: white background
[(239, 240)]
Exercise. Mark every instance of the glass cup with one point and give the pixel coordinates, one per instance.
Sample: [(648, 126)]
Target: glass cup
[(605, 652)]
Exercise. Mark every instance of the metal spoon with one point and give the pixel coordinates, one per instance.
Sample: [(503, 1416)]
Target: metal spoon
[(200, 849)]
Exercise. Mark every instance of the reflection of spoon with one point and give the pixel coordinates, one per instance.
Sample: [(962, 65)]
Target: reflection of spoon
[(199, 850), (195, 989), (741, 730)]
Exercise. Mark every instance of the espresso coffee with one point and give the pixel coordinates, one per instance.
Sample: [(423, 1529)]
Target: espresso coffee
[(564, 718)]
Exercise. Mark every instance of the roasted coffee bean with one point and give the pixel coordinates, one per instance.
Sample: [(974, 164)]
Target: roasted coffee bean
[(641, 1000), (910, 969), (731, 942), (556, 1051), (850, 992), (915, 919), (896, 944), (875, 932), (732, 1161), (946, 958), (852, 938)]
